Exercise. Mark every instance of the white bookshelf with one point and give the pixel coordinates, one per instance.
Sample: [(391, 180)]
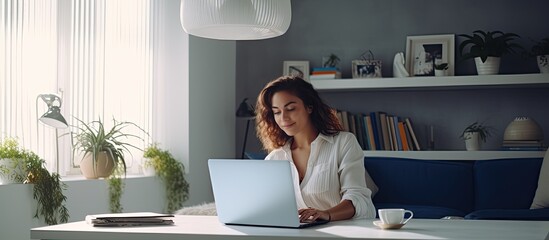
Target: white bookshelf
[(434, 83), (456, 155)]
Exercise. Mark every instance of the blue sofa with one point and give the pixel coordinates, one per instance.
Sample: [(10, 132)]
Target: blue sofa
[(487, 189)]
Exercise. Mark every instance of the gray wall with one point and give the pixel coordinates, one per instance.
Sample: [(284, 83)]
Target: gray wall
[(350, 27)]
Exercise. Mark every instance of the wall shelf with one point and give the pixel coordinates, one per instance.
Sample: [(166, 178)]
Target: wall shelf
[(434, 83), (456, 155)]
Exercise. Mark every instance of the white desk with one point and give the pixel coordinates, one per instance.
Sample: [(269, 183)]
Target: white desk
[(209, 228)]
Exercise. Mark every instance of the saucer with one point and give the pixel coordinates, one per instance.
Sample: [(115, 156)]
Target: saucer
[(388, 226)]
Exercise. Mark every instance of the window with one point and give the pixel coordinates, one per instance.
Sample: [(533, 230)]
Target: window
[(95, 54)]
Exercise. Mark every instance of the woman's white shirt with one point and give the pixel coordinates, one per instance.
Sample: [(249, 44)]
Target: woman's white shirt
[(335, 172)]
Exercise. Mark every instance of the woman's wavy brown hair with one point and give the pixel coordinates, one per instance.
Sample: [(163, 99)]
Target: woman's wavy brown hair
[(323, 117)]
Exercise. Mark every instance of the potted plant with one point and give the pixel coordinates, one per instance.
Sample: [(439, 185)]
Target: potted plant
[(474, 134), (440, 69), (171, 172), (487, 48), (47, 187), (540, 50), (331, 61), (103, 150)]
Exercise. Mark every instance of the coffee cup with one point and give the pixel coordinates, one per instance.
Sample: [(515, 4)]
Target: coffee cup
[(394, 215)]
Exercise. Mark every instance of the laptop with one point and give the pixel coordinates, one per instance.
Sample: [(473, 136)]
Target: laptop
[(255, 193)]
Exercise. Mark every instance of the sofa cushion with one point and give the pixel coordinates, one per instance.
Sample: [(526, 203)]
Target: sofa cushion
[(510, 214), (446, 184), (541, 197), (422, 211), (506, 183)]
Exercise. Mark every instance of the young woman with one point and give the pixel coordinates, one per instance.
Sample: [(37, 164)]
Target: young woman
[(294, 124)]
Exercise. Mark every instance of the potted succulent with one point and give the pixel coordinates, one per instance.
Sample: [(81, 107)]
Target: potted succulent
[(487, 48), (26, 167), (474, 134), (103, 150), (540, 50), (171, 172), (440, 69)]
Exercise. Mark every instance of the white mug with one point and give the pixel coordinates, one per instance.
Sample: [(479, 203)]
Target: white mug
[(394, 215)]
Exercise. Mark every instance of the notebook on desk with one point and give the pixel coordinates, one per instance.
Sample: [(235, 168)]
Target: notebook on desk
[(252, 192)]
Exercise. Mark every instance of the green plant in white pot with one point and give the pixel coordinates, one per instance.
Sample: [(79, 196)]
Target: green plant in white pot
[(540, 50), (440, 69), (30, 169), (474, 134), (487, 48)]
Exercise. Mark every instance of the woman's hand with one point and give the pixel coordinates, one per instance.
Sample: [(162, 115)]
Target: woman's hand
[(312, 214)]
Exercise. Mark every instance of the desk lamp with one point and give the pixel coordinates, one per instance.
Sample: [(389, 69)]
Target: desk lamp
[(246, 111), (53, 118)]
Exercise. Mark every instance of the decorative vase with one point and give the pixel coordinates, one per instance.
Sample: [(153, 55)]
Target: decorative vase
[(102, 168), (472, 141), (490, 67), (543, 63)]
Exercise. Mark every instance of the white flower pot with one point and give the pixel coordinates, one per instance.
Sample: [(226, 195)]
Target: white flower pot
[(10, 170), (543, 63), (440, 73), (472, 141), (148, 170), (490, 67)]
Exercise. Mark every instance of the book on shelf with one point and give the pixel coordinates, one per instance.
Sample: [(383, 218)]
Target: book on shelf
[(385, 131), (412, 133), (522, 143), (323, 76), (403, 139), (371, 141), (523, 148)]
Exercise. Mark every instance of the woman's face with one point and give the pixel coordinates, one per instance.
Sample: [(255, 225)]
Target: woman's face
[(290, 113)]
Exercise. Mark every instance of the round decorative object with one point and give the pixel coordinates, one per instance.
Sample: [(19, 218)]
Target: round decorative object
[(102, 168), (236, 19), (523, 128)]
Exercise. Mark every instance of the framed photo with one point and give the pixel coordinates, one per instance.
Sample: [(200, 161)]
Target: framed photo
[(297, 68), (366, 68), (424, 52)]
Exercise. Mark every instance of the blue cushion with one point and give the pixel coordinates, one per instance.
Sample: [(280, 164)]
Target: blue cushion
[(510, 214), (444, 183), (506, 183), (421, 211)]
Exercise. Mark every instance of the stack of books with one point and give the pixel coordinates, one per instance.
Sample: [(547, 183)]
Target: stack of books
[(523, 145), (380, 131), (321, 73)]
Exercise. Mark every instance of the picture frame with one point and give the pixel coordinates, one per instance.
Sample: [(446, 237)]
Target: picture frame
[(366, 68), (296, 68), (423, 52)]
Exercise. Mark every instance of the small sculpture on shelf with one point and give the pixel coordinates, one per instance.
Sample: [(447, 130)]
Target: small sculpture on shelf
[(399, 66)]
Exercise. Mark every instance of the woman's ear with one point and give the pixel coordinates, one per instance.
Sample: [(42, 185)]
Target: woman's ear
[(310, 109)]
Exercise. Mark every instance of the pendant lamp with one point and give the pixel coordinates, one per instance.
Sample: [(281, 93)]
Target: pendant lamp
[(236, 19)]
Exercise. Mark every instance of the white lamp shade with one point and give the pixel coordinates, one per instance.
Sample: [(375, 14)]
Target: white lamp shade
[(236, 19)]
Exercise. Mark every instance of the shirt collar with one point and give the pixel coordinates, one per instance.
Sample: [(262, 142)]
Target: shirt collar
[(320, 137)]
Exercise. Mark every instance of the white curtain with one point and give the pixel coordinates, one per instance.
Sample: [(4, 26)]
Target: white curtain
[(95, 54)]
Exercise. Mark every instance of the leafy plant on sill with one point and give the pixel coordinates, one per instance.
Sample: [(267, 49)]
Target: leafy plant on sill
[(47, 189), (483, 130), (92, 138), (171, 172), (488, 44), (442, 66)]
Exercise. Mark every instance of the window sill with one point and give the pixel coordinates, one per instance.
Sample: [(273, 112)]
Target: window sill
[(70, 178)]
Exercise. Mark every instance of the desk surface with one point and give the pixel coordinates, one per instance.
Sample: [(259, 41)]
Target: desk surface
[(209, 228)]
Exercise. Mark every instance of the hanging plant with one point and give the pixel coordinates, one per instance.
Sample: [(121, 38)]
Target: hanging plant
[(171, 172)]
